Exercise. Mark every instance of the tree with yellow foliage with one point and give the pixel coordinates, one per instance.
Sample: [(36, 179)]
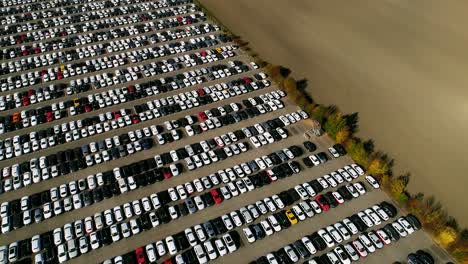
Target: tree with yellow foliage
[(378, 167), (289, 84), (446, 236), (342, 135), (357, 151), (397, 187)]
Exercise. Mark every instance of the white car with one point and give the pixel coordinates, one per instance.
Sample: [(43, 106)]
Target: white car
[(249, 235), (326, 237), (373, 182), (267, 228), (36, 244), (190, 236), (229, 242), (210, 250), (151, 253), (221, 247), (200, 254), (171, 246)]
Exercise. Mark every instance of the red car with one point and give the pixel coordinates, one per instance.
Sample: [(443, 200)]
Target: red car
[(25, 52), (140, 255), (49, 116), (135, 119), (322, 202), (202, 116), (247, 80), (169, 261), (117, 115), (87, 108), (31, 92), (166, 173), (59, 75), (216, 197), (273, 178), (25, 101), (179, 19), (201, 92)]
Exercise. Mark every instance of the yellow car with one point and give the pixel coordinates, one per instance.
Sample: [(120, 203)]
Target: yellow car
[(291, 217), (219, 50), (76, 102)]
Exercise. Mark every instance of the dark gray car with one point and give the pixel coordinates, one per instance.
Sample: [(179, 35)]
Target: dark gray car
[(190, 205)]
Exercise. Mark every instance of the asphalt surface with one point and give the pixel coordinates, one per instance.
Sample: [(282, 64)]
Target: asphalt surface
[(247, 252)]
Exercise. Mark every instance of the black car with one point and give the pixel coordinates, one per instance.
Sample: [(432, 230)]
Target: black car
[(340, 149), (391, 232), (301, 249), (425, 257), (145, 222), (163, 214), (282, 219), (209, 229), (318, 188), (389, 208), (343, 191), (318, 241), (189, 257), (323, 157), (296, 150), (308, 162), (311, 147), (218, 225), (107, 191), (414, 221), (181, 241), (105, 236), (286, 198), (257, 231), (330, 199), (357, 221)]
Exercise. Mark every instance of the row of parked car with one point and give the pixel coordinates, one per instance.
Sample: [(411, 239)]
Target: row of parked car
[(202, 236), (69, 70), (95, 124), (13, 122), (93, 65), (37, 5), (366, 243), (79, 17), (174, 194), (53, 58), (102, 24), (193, 161), (161, 139), (332, 236), (131, 73), (96, 37)]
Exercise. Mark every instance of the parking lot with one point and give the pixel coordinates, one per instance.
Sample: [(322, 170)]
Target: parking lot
[(135, 143)]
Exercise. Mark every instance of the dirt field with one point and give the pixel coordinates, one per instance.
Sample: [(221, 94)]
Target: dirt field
[(400, 64)]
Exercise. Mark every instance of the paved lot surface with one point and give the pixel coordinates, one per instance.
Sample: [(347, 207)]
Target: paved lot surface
[(247, 252)]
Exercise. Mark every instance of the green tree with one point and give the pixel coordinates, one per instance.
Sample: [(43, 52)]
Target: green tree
[(319, 113), (335, 122)]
